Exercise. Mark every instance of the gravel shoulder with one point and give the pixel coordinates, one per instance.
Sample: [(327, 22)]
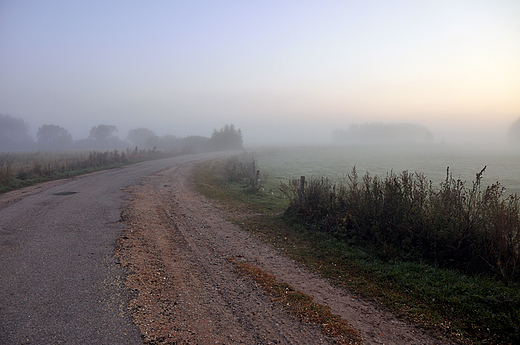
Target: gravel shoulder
[(59, 280), (177, 248)]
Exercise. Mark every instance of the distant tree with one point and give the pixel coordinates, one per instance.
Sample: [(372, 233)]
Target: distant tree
[(102, 133), (194, 143), (14, 133), (101, 137), (227, 138), (513, 134), (153, 142), (140, 137), (53, 137), (170, 142)]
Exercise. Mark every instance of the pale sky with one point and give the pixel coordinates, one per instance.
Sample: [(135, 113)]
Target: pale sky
[(291, 70)]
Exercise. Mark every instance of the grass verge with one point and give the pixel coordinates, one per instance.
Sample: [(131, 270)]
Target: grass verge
[(471, 309), (300, 305)]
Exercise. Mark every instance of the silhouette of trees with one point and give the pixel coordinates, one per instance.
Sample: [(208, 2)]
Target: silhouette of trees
[(101, 137), (102, 132), (153, 142), (143, 138), (53, 137), (227, 138), (14, 133), (195, 143), (192, 143)]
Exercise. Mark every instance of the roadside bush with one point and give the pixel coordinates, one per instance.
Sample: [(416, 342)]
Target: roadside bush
[(402, 216), (240, 168)]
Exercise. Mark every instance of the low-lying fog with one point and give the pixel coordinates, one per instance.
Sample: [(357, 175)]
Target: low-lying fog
[(16, 133)]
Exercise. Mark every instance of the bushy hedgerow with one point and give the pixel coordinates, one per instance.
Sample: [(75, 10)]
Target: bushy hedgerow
[(403, 216)]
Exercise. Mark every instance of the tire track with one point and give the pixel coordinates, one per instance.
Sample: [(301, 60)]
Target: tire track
[(187, 292), (186, 241)]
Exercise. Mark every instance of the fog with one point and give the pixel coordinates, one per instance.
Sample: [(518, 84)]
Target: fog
[(299, 133), (285, 74)]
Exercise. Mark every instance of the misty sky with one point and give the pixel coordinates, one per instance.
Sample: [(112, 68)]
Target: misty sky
[(276, 69)]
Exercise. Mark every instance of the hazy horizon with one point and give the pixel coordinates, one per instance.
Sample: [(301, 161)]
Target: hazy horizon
[(283, 72), (302, 135)]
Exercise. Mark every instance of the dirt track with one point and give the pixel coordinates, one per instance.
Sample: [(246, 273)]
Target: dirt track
[(187, 292)]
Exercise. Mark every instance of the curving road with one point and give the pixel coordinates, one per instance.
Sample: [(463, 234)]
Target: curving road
[(59, 280)]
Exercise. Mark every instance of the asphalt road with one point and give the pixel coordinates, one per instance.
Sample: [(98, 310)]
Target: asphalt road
[(59, 280)]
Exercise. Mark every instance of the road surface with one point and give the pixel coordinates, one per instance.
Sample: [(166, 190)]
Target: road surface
[(63, 246), (59, 280)]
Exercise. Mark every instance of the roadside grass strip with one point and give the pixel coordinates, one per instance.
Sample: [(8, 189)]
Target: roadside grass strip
[(300, 305)]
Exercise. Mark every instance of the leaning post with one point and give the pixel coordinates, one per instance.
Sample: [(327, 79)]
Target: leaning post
[(257, 180), (253, 173), (301, 190)]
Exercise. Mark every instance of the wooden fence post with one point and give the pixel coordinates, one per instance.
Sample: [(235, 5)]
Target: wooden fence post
[(301, 190), (257, 180), (253, 174)]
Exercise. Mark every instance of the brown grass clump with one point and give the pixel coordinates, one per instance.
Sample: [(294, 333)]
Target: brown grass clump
[(301, 305)]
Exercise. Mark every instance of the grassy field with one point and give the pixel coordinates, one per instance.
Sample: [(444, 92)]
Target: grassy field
[(336, 162), (473, 308)]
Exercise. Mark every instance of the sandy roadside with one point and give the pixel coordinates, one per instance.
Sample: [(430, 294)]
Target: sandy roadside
[(186, 291)]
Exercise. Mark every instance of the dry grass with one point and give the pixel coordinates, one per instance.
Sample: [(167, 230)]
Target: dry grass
[(24, 169), (301, 305)]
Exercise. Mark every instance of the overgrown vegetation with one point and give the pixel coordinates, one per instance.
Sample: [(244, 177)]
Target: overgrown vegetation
[(428, 288), (473, 230), (24, 169), (231, 180)]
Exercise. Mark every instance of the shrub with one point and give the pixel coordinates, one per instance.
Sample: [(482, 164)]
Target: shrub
[(239, 168), (403, 216)]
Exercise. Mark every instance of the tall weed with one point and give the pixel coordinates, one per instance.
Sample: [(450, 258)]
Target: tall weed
[(5, 169), (403, 216), (240, 168)]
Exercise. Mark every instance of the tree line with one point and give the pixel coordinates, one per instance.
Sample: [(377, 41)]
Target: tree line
[(14, 135), (400, 133)]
